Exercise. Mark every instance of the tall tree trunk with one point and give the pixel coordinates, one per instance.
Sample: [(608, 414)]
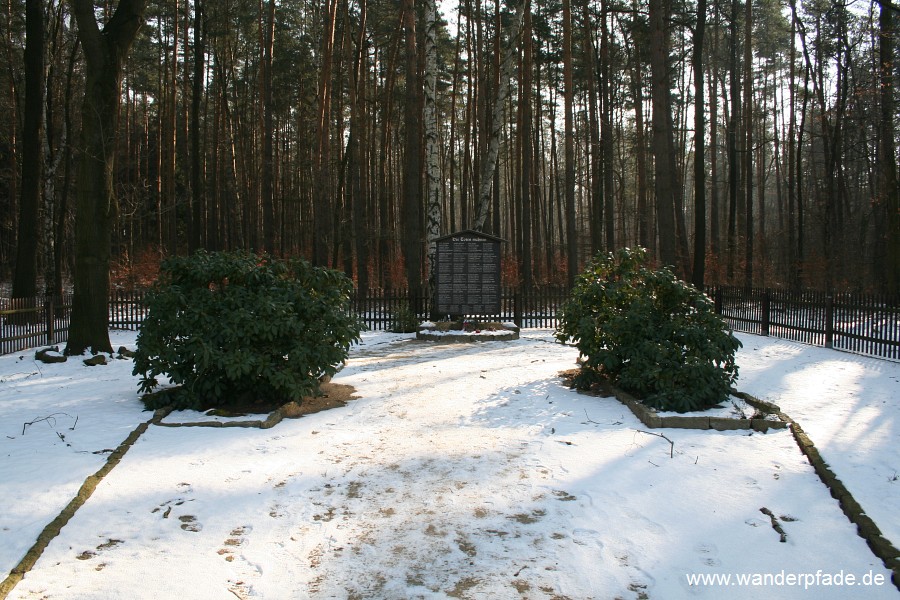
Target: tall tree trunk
[(359, 154), (889, 188), (53, 156), (527, 147), (607, 137), (645, 235), (432, 149), (105, 54), (386, 191), (323, 209), (595, 157), (171, 140), (25, 278), (489, 164), (799, 182), (714, 217), (197, 235), (267, 173), (731, 134), (699, 270), (748, 144), (452, 145), (569, 146), (411, 207), (793, 273), (663, 133), (63, 209)]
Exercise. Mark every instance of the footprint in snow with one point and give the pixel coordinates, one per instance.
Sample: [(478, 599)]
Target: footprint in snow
[(235, 540), (707, 554), (190, 523), (584, 537)]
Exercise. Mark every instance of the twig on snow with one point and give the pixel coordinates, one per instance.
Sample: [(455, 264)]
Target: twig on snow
[(775, 524), (51, 420), (671, 443), (589, 420)]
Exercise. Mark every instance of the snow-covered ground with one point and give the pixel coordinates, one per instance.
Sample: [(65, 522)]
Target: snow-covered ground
[(462, 471)]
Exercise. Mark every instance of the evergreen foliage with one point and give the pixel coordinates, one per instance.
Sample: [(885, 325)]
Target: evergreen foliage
[(404, 320), (237, 327), (649, 333)]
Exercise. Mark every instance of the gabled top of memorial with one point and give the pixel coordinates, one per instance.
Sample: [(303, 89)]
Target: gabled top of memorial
[(470, 235)]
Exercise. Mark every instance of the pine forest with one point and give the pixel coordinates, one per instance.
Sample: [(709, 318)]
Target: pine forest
[(744, 142)]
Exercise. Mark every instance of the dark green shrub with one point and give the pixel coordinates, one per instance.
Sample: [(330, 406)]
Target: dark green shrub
[(236, 328), (404, 320), (649, 333)]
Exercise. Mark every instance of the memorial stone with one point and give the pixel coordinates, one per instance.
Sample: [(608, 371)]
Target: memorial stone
[(467, 274)]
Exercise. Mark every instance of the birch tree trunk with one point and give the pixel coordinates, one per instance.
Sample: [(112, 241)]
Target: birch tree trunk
[(432, 149), (489, 165)]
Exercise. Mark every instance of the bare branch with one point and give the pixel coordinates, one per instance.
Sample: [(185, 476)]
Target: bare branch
[(671, 443)]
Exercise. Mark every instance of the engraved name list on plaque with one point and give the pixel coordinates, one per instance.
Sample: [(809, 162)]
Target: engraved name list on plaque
[(467, 274)]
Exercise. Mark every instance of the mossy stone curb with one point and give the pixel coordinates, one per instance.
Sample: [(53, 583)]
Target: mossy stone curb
[(865, 526), (650, 418), (881, 547), (84, 493), (291, 410)]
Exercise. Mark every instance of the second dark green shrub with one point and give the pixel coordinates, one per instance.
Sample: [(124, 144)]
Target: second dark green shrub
[(649, 333)]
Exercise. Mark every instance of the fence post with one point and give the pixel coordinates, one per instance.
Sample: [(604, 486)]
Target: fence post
[(764, 325), (829, 321), (718, 300), (517, 307), (48, 316)]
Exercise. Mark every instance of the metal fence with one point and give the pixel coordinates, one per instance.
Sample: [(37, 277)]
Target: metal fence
[(860, 323), (864, 324), (32, 322), (537, 307)]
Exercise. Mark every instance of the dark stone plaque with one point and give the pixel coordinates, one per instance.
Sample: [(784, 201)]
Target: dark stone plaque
[(467, 274)]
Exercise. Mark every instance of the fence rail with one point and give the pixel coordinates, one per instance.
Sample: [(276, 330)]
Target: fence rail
[(864, 324), (859, 323), (532, 308), (26, 323), (29, 322)]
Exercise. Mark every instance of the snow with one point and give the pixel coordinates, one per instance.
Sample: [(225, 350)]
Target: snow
[(461, 471)]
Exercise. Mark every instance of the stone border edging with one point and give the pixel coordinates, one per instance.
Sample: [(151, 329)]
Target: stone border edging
[(286, 411), (865, 527), (289, 410), (650, 418), (84, 493)]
